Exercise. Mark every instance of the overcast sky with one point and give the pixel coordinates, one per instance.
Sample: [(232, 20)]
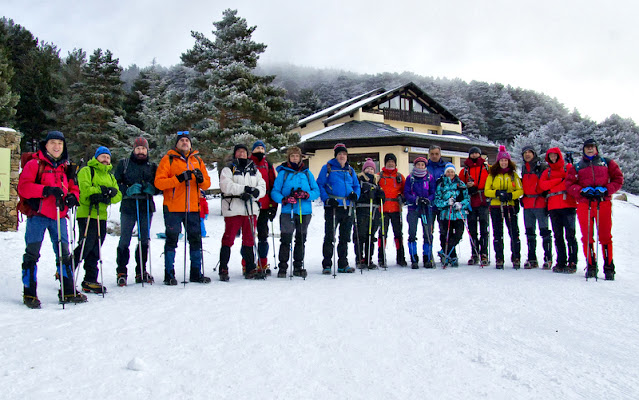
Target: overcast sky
[(584, 53)]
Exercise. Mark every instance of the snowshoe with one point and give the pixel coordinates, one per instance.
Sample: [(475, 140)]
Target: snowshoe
[(559, 268), (346, 270), (267, 271), (547, 264), (591, 271), (300, 272), (516, 263), (31, 301), (414, 265), (93, 287), (200, 279), (499, 264), (571, 268), (72, 298), (530, 264), (121, 280), (326, 271), (454, 262), (224, 274), (147, 278), (429, 264), (372, 266), (401, 263), (170, 281), (281, 273), (255, 273), (484, 260), (473, 260), (609, 272)]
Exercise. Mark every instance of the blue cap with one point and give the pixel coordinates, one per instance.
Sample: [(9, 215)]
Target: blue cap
[(54, 135), (102, 150), (449, 166), (257, 144)]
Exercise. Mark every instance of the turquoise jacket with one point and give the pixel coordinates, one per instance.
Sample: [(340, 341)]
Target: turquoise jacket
[(457, 190)]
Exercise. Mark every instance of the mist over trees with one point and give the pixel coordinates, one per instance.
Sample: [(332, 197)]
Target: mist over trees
[(222, 95)]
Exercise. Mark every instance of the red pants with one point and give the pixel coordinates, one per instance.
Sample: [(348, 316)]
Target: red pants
[(233, 224), (605, 226)]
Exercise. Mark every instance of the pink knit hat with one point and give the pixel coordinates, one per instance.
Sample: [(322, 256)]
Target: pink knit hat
[(503, 153), (369, 163)]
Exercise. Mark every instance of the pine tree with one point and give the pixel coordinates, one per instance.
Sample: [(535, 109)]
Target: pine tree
[(8, 99), (231, 98)]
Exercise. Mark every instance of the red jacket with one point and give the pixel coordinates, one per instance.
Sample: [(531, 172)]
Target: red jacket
[(268, 174), (476, 171), (204, 207), (52, 175), (593, 173), (530, 172), (392, 187), (553, 180)]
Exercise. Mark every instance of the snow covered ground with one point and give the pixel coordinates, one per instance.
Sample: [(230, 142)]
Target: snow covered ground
[(397, 334)]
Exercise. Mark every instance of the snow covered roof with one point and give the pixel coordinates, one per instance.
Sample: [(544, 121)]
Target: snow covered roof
[(330, 110)]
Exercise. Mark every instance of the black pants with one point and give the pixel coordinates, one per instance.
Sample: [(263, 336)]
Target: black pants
[(564, 228), (344, 220), (507, 215), (262, 233), (479, 215), (364, 243), (289, 226), (450, 234), (396, 219), (91, 247)]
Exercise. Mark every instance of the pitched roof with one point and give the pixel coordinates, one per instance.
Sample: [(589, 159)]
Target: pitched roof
[(331, 110)]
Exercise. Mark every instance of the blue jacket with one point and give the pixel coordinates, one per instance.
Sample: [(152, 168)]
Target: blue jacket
[(418, 187), (339, 182), (436, 169), (456, 189), (289, 180)]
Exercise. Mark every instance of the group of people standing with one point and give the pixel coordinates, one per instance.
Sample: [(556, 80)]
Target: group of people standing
[(359, 206)]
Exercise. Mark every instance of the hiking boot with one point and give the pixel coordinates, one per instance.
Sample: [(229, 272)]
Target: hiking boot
[(281, 273), (414, 265), (326, 271), (146, 278), (560, 268), (484, 260), (300, 272), (200, 279), (454, 262), (516, 263), (346, 270), (401, 263), (93, 287), (372, 266), (609, 272), (361, 265), (121, 280), (170, 281), (255, 273), (267, 271), (473, 260), (571, 268), (591, 271), (31, 301), (547, 264), (429, 264), (530, 264), (71, 298), (499, 264), (224, 274)]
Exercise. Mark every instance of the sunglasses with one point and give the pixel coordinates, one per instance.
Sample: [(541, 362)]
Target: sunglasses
[(181, 133)]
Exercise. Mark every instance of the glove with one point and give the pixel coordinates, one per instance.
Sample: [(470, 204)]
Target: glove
[(451, 201), (331, 202), (53, 191), (291, 200), (71, 201), (134, 189), (380, 195), (111, 193), (96, 198), (423, 201), (149, 189), (245, 197), (199, 176), (252, 191), (457, 206), (185, 176), (352, 196), (504, 196), (601, 192), (300, 194), (271, 213)]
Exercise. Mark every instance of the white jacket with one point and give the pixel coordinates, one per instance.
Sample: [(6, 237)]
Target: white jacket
[(232, 183)]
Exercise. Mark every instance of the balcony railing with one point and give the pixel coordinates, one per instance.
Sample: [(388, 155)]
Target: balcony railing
[(410, 116)]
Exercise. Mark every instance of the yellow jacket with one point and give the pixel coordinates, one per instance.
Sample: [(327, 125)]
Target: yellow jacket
[(503, 182)]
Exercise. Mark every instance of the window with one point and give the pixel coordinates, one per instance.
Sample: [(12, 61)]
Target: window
[(433, 132), (357, 160), (409, 129), (394, 103), (405, 104)]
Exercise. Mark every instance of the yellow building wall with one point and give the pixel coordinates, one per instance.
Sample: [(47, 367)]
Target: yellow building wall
[(321, 157)]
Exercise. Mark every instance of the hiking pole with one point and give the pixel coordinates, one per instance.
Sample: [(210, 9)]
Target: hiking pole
[(137, 209), (272, 237), (370, 229), (187, 206), (148, 238), (597, 246), (450, 216), (61, 273), (334, 244), (100, 252), (71, 247), (473, 245), (381, 207), (291, 245), (589, 249), (84, 241), (359, 245)]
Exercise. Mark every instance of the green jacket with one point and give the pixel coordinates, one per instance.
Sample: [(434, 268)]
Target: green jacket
[(102, 176)]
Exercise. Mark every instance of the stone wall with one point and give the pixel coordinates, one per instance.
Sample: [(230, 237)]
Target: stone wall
[(8, 215)]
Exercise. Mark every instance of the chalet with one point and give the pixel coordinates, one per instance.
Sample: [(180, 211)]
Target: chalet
[(404, 121)]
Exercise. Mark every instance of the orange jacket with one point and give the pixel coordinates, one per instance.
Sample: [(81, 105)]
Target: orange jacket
[(393, 188), (172, 165)]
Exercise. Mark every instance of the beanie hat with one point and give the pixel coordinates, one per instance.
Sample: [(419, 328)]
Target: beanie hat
[(141, 142), (503, 153), (339, 147), (591, 142), (369, 163), (449, 166), (54, 135), (239, 146), (182, 134), (257, 144), (473, 150), (390, 156), (102, 150), (420, 159), (293, 150), (528, 148)]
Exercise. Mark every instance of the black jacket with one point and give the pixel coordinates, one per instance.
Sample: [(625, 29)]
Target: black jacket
[(130, 171)]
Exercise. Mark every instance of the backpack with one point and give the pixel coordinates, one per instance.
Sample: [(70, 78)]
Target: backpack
[(29, 207)]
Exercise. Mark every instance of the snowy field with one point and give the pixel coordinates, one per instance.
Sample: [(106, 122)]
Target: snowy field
[(398, 334)]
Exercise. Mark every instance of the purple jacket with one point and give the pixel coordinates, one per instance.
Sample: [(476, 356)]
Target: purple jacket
[(418, 187)]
